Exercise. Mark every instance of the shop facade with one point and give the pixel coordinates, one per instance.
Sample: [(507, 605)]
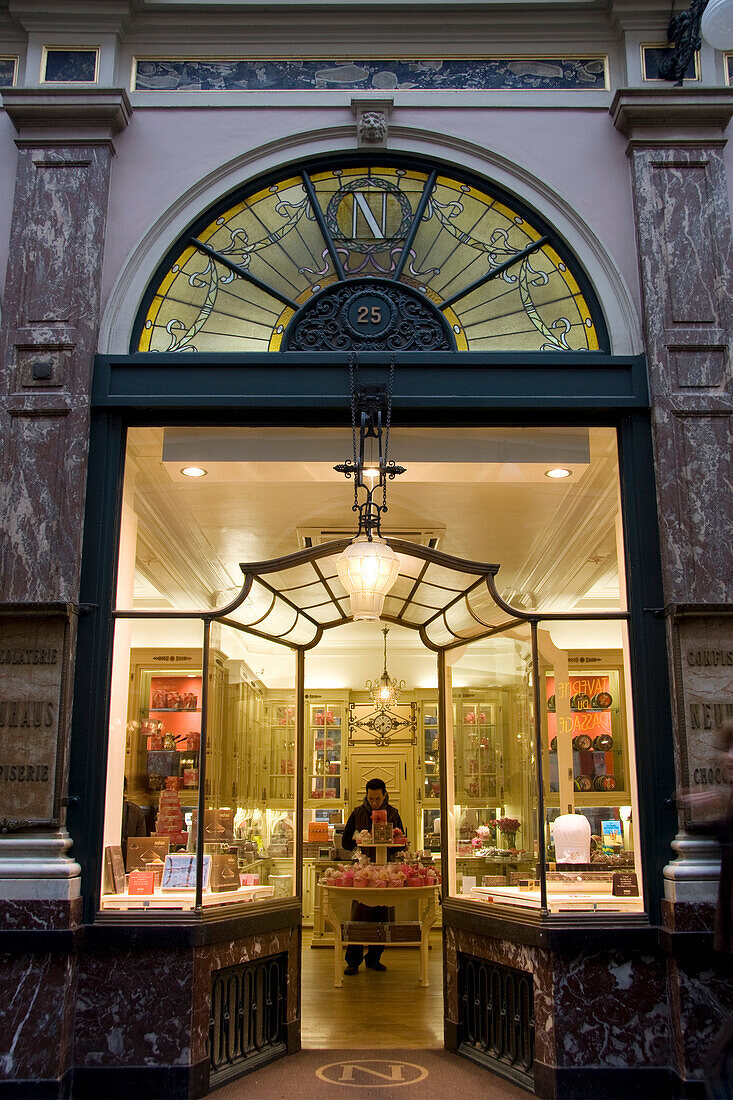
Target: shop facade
[(530, 253)]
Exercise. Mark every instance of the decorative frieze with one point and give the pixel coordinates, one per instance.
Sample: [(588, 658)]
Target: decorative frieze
[(238, 74)]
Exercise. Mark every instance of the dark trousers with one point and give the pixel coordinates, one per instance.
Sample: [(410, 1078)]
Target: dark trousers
[(377, 913)]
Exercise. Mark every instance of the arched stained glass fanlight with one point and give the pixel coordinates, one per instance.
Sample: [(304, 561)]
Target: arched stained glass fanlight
[(369, 257)]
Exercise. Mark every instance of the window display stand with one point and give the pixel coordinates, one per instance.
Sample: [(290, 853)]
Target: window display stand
[(427, 905)]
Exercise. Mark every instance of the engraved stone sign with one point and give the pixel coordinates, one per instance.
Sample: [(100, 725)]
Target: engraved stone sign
[(32, 681), (704, 675)]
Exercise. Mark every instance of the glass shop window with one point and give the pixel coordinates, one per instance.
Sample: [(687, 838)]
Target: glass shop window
[(200, 787), (543, 800), (176, 752)]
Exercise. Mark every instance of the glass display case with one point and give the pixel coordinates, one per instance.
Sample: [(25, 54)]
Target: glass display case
[(431, 753), (170, 727), (479, 765), (278, 764), (324, 759)]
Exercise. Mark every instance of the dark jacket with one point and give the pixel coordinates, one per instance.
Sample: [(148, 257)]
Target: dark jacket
[(361, 818)]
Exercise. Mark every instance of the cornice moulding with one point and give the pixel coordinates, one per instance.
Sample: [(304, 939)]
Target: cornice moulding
[(80, 114), (672, 116), (68, 16)]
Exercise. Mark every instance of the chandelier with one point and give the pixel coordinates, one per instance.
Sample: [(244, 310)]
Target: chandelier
[(368, 567), (385, 691)]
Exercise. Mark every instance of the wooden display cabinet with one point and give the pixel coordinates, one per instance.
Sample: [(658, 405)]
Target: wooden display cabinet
[(279, 756), (325, 718), (164, 730), (479, 749), (430, 745)]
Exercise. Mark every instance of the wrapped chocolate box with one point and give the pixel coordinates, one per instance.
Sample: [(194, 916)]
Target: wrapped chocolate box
[(224, 872), (382, 832), (218, 825), (142, 850)]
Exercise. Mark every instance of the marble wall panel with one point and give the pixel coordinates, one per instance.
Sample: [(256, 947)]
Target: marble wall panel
[(37, 993), (450, 974), (40, 916), (685, 916), (50, 320), (705, 477), (134, 1008), (701, 999), (684, 241), (610, 1009), (218, 956), (686, 226), (544, 1008)]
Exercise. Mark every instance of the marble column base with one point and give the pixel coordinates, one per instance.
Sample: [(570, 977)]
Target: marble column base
[(35, 866), (693, 876)]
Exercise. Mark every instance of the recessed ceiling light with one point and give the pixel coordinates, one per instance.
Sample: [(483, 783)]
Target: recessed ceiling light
[(557, 472), (193, 471)]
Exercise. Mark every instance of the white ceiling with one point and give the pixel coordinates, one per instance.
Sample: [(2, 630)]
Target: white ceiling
[(483, 493)]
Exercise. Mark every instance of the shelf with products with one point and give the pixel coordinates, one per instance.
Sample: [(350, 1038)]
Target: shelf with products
[(431, 752), (480, 759), (584, 718), (278, 764), (324, 746), (168, 705)]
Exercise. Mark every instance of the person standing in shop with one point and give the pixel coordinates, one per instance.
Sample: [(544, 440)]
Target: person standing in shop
[(375, 798)]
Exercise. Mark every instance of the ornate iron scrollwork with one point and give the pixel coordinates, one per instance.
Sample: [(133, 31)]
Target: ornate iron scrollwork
[(382, 725), (368, 315)]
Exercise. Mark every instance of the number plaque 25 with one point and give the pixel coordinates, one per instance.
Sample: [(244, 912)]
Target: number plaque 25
[(369, 315)]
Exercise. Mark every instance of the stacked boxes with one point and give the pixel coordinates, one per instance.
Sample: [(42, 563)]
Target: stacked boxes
[(364, 931), (404, 932), (169, 821)]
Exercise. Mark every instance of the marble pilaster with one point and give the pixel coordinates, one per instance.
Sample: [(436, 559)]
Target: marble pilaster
[(47, 344), (683, 225)]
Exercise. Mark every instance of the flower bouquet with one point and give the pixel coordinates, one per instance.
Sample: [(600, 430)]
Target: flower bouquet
[(508, 827)]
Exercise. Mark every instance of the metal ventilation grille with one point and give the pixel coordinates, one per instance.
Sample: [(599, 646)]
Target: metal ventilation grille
[(316, 536)]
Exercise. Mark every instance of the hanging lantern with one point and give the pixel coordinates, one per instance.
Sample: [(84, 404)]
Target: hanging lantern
[(367, 569), (385, 691)]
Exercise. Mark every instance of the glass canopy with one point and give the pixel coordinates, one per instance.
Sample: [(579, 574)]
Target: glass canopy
[(294, 599)]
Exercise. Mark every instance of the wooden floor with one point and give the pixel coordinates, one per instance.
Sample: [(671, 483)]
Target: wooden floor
[(372, 1010)]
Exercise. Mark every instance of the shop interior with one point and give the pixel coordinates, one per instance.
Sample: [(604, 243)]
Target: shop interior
[(541, 503)]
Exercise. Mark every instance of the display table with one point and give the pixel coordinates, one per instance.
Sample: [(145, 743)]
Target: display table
[(184, 899), (426, 898), (380, 850), (594, 898)]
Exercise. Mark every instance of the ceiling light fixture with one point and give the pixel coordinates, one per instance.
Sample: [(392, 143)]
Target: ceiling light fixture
[(194, 471), (558, 472), (385, 692), (368, 567)]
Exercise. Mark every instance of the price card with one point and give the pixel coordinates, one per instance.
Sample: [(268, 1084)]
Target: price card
[(141, 882), (625, 884)]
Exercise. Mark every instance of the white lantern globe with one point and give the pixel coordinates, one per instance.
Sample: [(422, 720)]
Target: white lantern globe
[(571, 833), (716, 25), (367, 569)]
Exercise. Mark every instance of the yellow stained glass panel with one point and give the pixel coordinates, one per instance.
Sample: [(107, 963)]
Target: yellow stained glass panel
[(497, 280)]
